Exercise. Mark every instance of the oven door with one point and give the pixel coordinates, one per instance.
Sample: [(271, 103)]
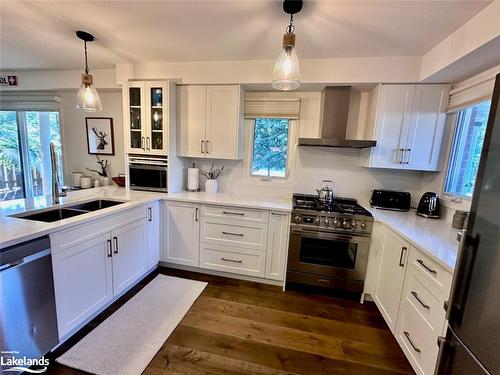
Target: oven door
[(328, 254), (148, 177)]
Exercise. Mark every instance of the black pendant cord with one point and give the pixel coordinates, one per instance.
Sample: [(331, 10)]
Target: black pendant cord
[(86, 62), (290, 28)]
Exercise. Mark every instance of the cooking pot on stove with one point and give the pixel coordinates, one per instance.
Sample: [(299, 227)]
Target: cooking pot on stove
[(325, 194)]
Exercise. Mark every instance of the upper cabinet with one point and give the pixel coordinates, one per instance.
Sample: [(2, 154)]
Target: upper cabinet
[(210, 121), (407, 121), (146, 117)]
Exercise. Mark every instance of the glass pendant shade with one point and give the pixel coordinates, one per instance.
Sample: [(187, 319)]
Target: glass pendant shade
[(286, 74), (87, 98)]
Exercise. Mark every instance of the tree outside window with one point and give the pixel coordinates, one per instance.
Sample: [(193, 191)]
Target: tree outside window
[(270, 147)]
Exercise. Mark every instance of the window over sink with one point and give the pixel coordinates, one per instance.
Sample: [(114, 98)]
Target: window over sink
[(270, 148), (466, 148), (25, 167)]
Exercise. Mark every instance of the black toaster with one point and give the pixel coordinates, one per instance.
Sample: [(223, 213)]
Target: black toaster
[(391, 200)]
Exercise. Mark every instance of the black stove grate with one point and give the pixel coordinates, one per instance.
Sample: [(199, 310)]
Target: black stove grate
[(339, 205)]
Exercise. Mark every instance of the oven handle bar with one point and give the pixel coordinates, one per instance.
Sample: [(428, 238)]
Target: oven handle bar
[(329, 236)]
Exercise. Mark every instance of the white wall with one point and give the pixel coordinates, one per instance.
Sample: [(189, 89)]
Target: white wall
[(76, 156)]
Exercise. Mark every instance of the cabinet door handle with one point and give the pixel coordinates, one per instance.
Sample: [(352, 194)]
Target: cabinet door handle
[(143, 143), (233, 234), (407, 161), (201, 146), (110, 253), (403, 251), (419, 300), (206, 146), (115, 239), (231, 260), (150, 214), (407, 334), (196, 214), (148, 144), (399, 155), (430, 270), (233, 213)]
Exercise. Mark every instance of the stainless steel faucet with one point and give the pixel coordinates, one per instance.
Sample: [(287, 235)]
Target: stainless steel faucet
[(55, 176)]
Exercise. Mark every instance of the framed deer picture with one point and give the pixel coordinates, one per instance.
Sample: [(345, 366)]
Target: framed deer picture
[(100, 139)]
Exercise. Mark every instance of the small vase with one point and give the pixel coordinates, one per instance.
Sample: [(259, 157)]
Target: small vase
[(211, 186), (106, 181)]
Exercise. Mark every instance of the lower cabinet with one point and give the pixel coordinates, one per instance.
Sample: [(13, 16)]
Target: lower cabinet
[(182, 238), (93, 263), (410, 291), (236, 240), (391, 273), (154, 237)]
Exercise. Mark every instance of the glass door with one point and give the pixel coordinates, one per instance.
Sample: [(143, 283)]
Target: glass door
[(137, 140), (11, 170), (157, 127)]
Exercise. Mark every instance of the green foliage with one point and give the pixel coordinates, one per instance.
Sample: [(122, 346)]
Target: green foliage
[(270, 147)]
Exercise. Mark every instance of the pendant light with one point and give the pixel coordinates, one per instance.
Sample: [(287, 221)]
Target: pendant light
[(286, 74), (87, 98)]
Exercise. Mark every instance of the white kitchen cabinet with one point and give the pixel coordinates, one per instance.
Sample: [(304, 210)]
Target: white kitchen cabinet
[(210, 121), (408, 124), (129, 254), (153, 234), (277, 245), (182, 240), (146, 117), (83, 281), (393, 254)]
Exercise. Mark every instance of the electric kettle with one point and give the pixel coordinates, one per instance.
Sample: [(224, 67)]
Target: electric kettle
[(429, 205)]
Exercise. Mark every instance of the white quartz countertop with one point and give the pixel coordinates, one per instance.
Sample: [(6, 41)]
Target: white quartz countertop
[(434, 237), (14, 230)]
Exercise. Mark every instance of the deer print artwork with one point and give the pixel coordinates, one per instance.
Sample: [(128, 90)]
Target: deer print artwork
[(101, 136)]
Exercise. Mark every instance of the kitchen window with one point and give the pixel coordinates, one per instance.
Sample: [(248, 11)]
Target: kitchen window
[(466, 150), (270, 148), (25, 166)]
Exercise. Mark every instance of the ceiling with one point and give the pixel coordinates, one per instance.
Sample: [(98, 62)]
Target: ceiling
[(40, 34)]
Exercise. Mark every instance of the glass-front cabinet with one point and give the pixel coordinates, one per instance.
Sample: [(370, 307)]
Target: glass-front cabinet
[(147, 122)]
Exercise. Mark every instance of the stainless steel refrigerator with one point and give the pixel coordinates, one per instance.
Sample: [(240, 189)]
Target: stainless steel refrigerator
[(472, 342)]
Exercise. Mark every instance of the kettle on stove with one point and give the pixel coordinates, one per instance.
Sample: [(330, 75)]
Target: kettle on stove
[(429, 205)]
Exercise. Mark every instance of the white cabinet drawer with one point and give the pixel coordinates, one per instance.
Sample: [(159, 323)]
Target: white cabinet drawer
[(250, 237), (425, 308), (235, 214), (421, 353), (243, 262), (430, 270)]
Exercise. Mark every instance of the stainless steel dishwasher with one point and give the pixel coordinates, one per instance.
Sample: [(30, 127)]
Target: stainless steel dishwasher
[(28, 324)]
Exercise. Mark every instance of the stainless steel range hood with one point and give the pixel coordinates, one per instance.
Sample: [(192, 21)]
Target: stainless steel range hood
[(334, 121)]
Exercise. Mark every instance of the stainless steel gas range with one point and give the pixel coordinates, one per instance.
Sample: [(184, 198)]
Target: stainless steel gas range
[(329, 243)]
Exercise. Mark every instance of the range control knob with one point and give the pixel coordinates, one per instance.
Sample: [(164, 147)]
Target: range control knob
[(354, 225), (346, 224), (317, 221), (363, 225), (327, 222), (336, 223), (297, 219)]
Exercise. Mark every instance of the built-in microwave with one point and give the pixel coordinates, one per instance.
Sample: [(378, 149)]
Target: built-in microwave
[(148, 173)]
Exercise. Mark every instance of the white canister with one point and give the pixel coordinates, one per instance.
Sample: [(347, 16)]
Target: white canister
[(76, 178), (86, 182), (97, 183), (211, 186), (106, 181)]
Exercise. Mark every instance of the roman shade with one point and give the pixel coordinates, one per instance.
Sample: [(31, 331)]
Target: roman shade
[(27, 102), (472, 91), (267, 105)]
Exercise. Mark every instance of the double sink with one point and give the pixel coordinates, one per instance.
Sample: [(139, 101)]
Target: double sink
[(65, 212)]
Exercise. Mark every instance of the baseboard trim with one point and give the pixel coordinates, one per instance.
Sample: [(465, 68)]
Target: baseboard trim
[(223, 274)]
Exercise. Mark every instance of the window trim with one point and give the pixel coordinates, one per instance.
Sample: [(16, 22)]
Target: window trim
[(285, 182), (252, 139)]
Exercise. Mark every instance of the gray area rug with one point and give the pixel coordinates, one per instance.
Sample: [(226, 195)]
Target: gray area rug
[(128, 340)]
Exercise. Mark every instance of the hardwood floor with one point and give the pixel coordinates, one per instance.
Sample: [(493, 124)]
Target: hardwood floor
[(239, 327)]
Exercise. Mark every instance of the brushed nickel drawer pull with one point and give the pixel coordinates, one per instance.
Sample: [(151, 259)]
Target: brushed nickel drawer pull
[(324, 281), (231, 260), (233, 234), (233, 213), (116, 244), (419, 300), (110, 253), (411, 342), (430, 270)]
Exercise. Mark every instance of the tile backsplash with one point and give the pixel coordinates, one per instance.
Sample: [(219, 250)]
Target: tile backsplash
[(313, 165)]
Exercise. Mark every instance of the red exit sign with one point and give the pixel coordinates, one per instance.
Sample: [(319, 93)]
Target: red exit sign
[(6, 80)]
